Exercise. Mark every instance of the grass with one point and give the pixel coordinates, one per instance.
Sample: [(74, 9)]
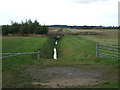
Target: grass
[(73, 50), (80, 50), (22, 44), (107, 85), (28, 44), (13, 66), (70, 44), (104, 85), (66, 30), (113, 40)]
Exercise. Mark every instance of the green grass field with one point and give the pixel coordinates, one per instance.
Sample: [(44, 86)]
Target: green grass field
[(12, 66), (73, 50), (76, 50)]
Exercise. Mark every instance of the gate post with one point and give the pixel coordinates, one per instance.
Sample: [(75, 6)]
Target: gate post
[(38, 54), (97, 49)]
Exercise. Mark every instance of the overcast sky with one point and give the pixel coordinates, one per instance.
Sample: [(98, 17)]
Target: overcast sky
[(61, 12)]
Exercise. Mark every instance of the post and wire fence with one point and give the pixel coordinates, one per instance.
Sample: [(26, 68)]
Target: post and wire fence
[(102, 50), (107, 51), (15, 54)]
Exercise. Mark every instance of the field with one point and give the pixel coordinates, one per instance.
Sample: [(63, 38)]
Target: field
[(75, 53)]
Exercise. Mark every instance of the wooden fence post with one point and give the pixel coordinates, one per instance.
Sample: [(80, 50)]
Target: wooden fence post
[(38, 54), (97, 49)]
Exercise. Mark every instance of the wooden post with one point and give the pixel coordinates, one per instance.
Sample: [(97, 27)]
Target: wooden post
[(97, 49), (38, 54)]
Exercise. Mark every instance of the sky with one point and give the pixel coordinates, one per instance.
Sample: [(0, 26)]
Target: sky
[(60, 12)]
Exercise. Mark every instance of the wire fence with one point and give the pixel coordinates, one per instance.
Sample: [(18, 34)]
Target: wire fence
[(107, 51), (15, 54)]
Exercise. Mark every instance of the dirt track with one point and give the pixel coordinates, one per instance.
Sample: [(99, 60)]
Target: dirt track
[(65, 76)]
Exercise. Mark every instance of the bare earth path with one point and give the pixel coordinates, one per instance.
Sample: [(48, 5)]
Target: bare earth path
[(66, 76)]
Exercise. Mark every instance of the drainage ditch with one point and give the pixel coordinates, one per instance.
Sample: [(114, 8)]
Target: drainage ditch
[(49, 49), (55, 49)]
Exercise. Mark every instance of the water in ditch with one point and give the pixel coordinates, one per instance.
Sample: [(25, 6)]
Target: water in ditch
[(56, 42), (55, 52)]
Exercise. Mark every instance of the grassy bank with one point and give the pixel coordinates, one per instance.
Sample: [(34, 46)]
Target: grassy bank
[(13, 67), (47, 49), (80, 50)]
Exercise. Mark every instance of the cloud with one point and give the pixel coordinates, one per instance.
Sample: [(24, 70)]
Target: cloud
[(86, 1), (65, 12)]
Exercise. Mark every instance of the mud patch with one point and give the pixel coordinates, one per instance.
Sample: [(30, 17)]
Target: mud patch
[(64, 76)]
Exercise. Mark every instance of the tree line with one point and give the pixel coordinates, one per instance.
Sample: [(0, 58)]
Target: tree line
[(27, 27), (86, 27)]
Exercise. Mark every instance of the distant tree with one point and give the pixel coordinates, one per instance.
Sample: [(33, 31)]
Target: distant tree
[(27, 27), (36, 23), (5, 30), (14, 27), (44, 29)]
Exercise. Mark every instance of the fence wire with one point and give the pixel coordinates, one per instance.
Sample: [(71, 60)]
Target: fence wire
[(107, 51), (15, 54)]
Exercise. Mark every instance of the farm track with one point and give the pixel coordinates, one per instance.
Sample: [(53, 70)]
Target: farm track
[(66, 76), (56, 77)]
